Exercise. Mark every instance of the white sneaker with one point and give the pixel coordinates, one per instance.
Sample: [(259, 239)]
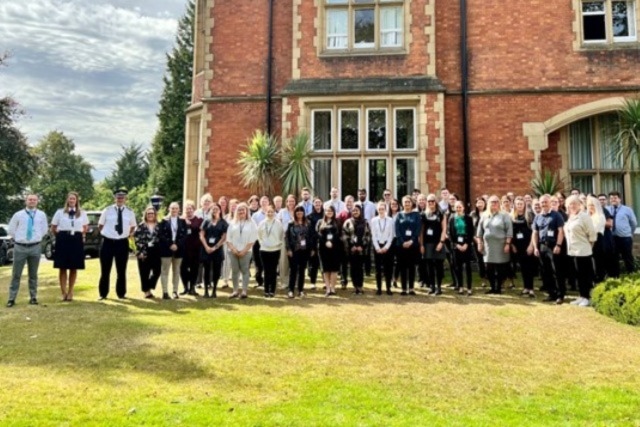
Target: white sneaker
[(576, 301), (584, 303)]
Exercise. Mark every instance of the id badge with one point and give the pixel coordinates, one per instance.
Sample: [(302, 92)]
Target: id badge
[(189, 232), (355, 239), (407, 233), (519, 236), (73, 232), (550, 233), (150, 244), (429, 232), (212, 240), (329, 236), (460, 239), (303, 243)]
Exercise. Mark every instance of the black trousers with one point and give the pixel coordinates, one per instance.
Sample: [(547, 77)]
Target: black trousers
[(344, 271), (585, 274), (600, 258), (435, 273), (548, 262), (189, 272), (257, 262), (270, 262), (407, 260), (462, 262), (384, 267), (149, 270), (212, 272), (367, 260), (482, 271), (452, 264), (527, 265), (356, 262), (314, 267), (297, 266), (110, 250), (497, 274), (624, 249)]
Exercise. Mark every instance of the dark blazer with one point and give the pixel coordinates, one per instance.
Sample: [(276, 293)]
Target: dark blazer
[(165, 238)]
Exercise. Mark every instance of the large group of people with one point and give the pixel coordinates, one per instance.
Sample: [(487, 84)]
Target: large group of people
[(570, 242)]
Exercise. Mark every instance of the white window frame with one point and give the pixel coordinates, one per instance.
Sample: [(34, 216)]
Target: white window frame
[(342, 159), (386, 182), (348, 150), (415, 128), (313, 129), (610, 39), (631, 16), (386, 133)]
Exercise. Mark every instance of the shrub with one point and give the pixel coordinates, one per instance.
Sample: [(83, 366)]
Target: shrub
[(619, 298)]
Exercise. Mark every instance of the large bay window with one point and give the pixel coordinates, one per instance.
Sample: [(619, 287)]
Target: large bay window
[(366, 146), (363, 25), (608, 21)]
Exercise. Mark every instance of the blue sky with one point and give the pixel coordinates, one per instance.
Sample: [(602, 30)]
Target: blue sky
[(91, 69)]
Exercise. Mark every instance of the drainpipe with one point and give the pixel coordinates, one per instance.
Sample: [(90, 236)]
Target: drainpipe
[(464, 81), (269, 67)]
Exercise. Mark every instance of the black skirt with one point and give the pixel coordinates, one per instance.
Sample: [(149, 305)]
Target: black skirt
[(69, 253)]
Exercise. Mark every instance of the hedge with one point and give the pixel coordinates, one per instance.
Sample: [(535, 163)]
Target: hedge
[(619, 298)]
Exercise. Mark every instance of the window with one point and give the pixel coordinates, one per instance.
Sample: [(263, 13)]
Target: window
[(363, 25), (608, 21), (594, 162), (366, 155)]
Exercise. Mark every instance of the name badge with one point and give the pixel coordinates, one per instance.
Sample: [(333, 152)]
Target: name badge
[(429, 232), (303, 243), (329, 236), (150, 244), (519, 236), (549, 233), (408, 233), (189, 232), (460, 239), (212, 240), (73, 232), (355, 239)]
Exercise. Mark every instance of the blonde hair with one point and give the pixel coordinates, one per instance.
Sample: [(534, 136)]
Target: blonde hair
[(206, 197), (66, 203)]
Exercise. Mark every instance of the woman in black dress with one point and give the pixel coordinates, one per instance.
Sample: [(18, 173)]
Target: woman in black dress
[(330, 249), (356, 235), (148, 251), (213, 236), (299, 241), (433, 238), (521, 247), (461, 234), (69, 225)]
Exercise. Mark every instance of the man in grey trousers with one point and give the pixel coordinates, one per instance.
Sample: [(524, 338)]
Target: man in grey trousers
[(28, 227)]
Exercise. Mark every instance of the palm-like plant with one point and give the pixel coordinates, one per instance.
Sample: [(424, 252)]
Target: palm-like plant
[(627, 132), (259, 164), (296, 164), (547, 182)]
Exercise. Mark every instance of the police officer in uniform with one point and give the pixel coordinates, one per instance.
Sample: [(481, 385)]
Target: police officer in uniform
[(116, 224)]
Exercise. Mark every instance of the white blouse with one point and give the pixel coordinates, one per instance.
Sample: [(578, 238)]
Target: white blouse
[(382, 232), (66, 223), (270, 235), (240, 234)]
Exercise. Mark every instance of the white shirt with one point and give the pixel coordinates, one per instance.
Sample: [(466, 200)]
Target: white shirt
[(580, 234), (109, 219), (174, 227), (369, 210), (240, 234), (383, 230), (337, 204), (270, 235), (20, 221), (65, 223), (285, 218)]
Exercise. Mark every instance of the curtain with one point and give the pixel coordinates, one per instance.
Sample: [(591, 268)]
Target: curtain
[(337, 29), (391, 26), (580, 145)]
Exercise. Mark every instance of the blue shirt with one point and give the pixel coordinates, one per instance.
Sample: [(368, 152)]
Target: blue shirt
[(624, 220), (408, 227), (547, 226)]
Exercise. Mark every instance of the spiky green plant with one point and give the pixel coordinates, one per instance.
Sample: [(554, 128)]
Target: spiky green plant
[(260, 164), (296, 164), (627, 132), (547, 182)]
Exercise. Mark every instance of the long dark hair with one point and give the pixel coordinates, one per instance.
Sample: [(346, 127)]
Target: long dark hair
[(332, 209), (304, 216)]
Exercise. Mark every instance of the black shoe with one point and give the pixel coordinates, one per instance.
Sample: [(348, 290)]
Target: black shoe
[(214, 295), (404, 293), (549, 299), (412, 292), (33, 301), (378, 292), (165, 296), (490, 291), (185, 292), (11, 303), (389, 292), (122, 297), (395, 284), (431, 292), (175, 295), (193, 292), (439, 292), (102, 298), (149, 296)]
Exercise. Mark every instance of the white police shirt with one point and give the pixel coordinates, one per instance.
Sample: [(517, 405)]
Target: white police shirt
[(66, 223), (109, 220), (20, 222)]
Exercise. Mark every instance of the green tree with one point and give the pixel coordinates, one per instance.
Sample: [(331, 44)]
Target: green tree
[(626, 129), (167, 149), (60, 171), (132, 168), (260, 164), (296, 164), (17, 164)]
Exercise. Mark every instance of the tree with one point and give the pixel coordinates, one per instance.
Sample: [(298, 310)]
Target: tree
[(17, 165), (626, 129), (132, 168), (260, 164), (167, 149), (60, 171), (296, 164)]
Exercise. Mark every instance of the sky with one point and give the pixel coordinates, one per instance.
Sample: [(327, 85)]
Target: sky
[(91, 69)]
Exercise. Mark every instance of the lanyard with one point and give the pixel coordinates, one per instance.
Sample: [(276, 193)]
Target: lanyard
[(269, 228), (31, 215), (241, 226), (381, 227)]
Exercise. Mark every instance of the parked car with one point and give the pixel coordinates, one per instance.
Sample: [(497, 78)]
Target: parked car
[(91, 244), (3, 252), (7, 243)]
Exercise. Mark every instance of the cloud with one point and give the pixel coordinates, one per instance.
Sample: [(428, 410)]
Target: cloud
[(90, 69)]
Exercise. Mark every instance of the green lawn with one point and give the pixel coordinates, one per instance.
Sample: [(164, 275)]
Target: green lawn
[(350, 361)]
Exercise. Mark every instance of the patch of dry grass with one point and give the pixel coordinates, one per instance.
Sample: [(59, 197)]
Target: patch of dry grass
[(348, 361)]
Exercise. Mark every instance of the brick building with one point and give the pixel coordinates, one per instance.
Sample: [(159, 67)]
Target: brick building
[(379, 86)]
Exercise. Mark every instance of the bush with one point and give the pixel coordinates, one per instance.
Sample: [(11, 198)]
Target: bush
[(619, 298)]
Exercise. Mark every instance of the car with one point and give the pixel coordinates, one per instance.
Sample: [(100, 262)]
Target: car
[(91, 243), (3, 252), (7, 243)]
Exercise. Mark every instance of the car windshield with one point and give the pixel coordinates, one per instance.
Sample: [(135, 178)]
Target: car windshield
[(3, 232)]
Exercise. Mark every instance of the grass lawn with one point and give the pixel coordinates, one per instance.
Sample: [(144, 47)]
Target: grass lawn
[(349, 361)]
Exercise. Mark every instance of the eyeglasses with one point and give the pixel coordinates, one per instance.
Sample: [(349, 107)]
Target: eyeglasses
[(494, 201), (431, 201)]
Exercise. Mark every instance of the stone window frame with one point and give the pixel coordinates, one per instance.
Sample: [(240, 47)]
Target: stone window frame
[(610, 43), (324, 51)]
